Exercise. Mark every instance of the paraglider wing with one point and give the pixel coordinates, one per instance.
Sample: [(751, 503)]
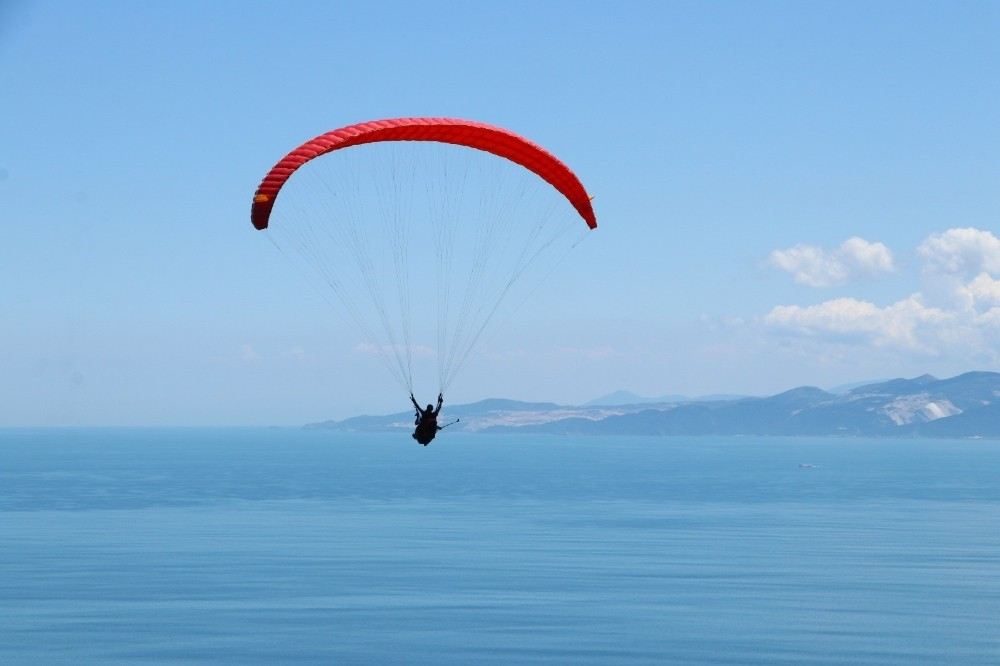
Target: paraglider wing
[(467, 133)]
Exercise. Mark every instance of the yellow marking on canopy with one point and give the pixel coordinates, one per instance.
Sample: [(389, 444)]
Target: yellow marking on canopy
[(260, 198)]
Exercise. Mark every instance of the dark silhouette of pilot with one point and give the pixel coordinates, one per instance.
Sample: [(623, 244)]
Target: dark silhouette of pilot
[(426, 421)]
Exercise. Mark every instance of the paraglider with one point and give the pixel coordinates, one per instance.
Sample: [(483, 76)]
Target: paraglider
[(375, 207), (426, 420)]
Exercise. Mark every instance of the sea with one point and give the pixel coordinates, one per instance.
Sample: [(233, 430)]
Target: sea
[(272, 546)]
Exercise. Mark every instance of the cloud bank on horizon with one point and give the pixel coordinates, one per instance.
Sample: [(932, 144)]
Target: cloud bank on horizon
[(956, 311)]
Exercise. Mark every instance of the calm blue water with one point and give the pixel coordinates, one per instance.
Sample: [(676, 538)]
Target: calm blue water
[(274, 546)]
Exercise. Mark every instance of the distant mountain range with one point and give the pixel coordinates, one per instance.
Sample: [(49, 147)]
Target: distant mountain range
[(964, 406), (619, 398)]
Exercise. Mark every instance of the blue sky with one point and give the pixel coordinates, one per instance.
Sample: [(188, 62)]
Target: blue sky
[(733, 148)]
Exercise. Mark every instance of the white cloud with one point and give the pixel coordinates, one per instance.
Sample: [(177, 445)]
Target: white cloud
[(817, 267), (965, 252), (955, 314), (595, 353), (990, 321), (906, 324), (248, 353), (983, 291), (865, 257), (416, 351)]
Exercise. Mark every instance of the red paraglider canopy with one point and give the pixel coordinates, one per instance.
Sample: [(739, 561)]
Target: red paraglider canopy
[(468, 133)]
